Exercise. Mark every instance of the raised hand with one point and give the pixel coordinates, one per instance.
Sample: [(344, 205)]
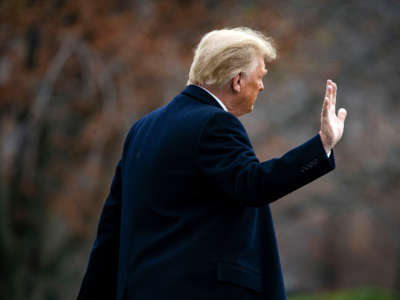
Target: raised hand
[(331, 125)]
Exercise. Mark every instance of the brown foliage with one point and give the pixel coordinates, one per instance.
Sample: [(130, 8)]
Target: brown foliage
[(74, 75)]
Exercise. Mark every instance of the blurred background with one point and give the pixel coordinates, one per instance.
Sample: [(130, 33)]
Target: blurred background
[(74, 76)]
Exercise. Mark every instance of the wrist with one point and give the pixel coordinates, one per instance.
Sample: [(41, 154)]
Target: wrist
[(325, 144)]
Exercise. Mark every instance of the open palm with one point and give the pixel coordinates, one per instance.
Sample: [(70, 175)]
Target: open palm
[(331, 125)]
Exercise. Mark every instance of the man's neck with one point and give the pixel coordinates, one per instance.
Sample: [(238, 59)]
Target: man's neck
[(225, 96)]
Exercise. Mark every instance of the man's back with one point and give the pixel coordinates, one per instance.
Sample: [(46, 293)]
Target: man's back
[(180, 235)]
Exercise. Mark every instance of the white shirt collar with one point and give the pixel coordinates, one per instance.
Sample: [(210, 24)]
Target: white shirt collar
[(215, 97)]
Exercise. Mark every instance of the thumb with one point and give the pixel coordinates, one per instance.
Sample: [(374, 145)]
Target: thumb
[(342, 114)]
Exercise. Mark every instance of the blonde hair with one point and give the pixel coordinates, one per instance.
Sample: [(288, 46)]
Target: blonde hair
[(222, 54)]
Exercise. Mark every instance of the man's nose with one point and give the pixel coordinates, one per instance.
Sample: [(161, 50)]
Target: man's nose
[(261, 86)]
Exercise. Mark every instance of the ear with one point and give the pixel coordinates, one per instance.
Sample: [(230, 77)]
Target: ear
[(236, 83)]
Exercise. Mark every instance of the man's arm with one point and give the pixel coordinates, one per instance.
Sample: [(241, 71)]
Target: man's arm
[(101, 275), (227, 160)]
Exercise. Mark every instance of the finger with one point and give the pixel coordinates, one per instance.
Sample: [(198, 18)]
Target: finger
[(342, 114), (326, 88), (334, 89), (330, 97), (325, 108)]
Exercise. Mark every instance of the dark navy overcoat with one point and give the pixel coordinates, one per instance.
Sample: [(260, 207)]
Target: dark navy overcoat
[(188, 215)]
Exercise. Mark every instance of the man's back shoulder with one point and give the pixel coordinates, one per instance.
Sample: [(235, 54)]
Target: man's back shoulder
[(183, 113)]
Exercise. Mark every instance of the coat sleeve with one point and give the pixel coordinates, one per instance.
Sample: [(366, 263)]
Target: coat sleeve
[(228, 162), (101, 275)]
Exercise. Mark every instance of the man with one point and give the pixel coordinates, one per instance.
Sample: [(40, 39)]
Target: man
[(188, 216)]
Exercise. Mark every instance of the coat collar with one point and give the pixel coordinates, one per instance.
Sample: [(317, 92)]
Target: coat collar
[(201, 95)]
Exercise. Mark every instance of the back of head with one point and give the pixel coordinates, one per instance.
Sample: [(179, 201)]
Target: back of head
[(222, 54)]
